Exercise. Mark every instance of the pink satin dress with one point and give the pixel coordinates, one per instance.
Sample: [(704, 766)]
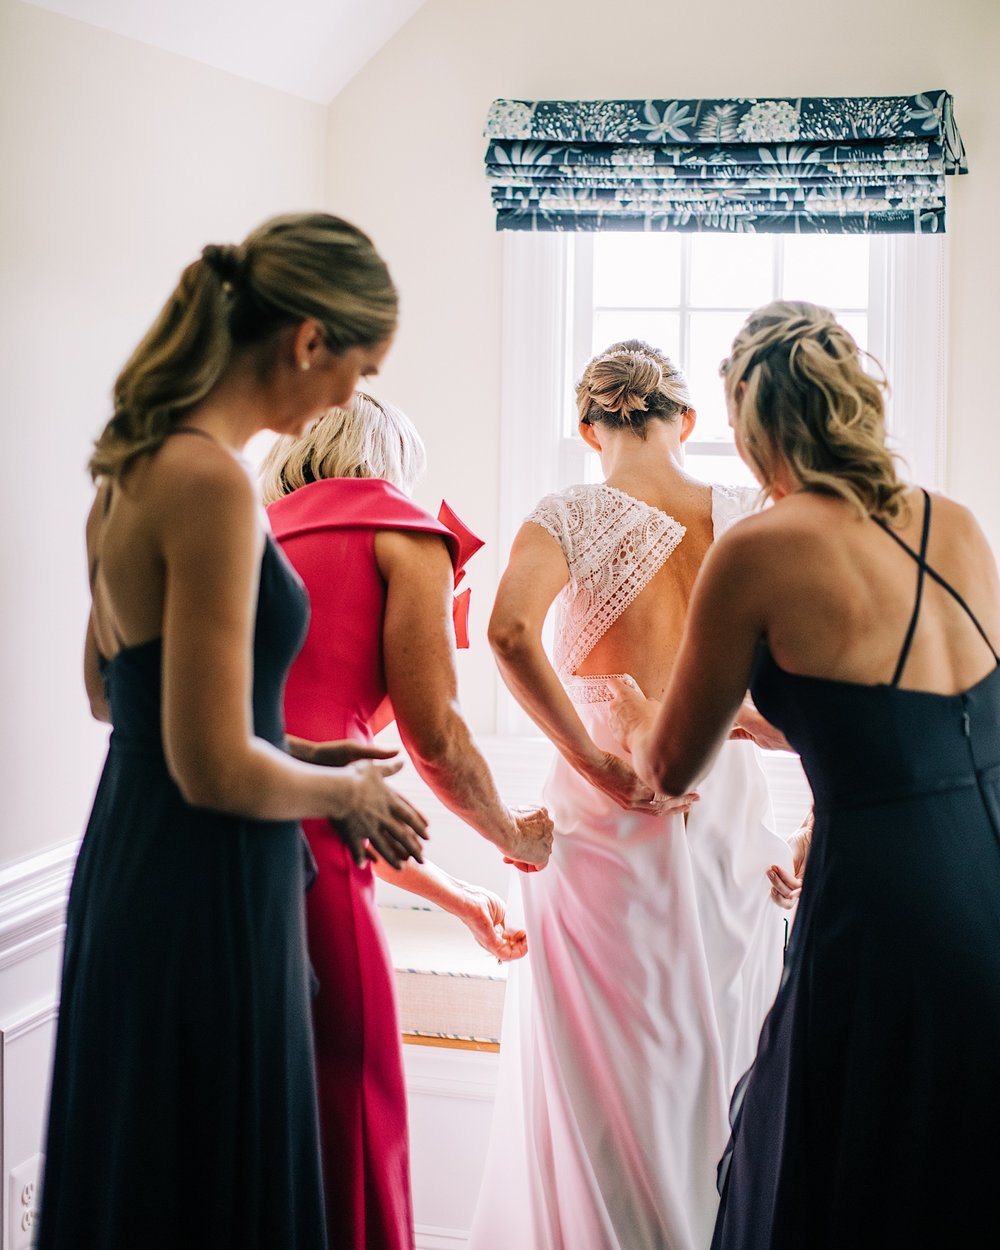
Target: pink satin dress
[(336, 689)]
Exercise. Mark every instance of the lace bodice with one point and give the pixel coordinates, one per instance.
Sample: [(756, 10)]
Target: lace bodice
[(613, 544)]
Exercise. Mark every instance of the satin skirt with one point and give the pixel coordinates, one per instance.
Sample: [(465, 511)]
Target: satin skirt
[(654, 955)]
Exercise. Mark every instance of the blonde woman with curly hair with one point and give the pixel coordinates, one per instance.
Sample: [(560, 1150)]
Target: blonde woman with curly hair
[(655, 950), (864, 613)]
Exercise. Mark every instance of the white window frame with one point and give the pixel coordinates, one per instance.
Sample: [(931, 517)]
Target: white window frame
[(545, 304)]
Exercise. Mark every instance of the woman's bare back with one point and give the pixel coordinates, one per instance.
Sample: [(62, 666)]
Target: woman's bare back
[(643, 641), (843, 594), (125, 531)]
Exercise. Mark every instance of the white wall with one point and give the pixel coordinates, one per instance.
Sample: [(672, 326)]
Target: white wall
[(405, 159), (118, 163)]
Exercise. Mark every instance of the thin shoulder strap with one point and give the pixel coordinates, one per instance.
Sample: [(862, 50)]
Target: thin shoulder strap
[(921, 560)]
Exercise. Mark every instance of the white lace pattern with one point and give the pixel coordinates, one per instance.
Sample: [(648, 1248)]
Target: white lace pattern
[(613, 544)]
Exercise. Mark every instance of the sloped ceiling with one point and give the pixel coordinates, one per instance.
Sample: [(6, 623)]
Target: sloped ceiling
[(309, 48)]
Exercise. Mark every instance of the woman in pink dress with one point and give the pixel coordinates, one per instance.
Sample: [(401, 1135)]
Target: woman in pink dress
[(380, 573)]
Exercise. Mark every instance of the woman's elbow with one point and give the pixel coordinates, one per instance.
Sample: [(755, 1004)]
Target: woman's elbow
[(201, 783), (197, 791), (508, 635), (99, 708), (663, 773), (669, 779), (434, 736)]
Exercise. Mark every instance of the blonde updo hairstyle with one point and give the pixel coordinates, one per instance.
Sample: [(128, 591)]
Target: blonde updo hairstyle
[(233, 298), (366, 439), (629, 385), (808, 402)]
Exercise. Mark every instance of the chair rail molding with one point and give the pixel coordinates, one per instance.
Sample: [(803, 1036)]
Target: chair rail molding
[(33, 895)]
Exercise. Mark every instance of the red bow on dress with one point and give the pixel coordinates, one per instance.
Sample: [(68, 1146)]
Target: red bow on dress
[(468, 545)]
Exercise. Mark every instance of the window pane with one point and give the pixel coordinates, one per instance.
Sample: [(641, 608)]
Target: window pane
[(659, 329), (593, 471), (711, 336), (637, 270), (732, 270), (857, 326), (726, 470), (828, 269)]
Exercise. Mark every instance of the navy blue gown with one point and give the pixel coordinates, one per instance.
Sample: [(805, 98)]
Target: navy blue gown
[(869, 1119), (183, 1106)]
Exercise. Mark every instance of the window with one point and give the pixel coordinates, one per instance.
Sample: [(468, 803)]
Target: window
[(569, 295), (690, 293)]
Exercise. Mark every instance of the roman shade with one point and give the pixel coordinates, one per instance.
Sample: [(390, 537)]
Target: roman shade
[(830, 165)]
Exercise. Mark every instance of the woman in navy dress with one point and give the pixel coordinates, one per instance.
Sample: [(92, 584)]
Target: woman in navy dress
[(864, 615), (183, 1105)]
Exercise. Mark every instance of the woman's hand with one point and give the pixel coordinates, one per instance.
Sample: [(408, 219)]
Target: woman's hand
[(530, 849), (484, 914), (629, 712), (337, 754), (750, 726), (615, 778), (375, 819), (786, 887)]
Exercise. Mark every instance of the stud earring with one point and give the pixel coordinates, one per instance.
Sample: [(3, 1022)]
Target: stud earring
[(304, 365)]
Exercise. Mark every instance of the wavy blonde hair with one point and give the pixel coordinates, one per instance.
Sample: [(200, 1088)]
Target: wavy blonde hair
[(367, 439), (795, 381), (290, 269), (628, 385)]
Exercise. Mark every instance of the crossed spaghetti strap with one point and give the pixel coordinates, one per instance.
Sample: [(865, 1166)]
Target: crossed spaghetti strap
[(924, 568)]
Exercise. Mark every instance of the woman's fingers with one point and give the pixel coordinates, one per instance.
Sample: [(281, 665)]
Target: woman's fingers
[(785, 889), (512, 945), (400, 839), (388, 770), (658, 804), (356, 841), (386, 848), (520, 865), (411, 816), (396, 841), (368, 751)]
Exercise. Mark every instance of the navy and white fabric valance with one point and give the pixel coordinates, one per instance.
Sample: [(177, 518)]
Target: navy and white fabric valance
[(851, 165)]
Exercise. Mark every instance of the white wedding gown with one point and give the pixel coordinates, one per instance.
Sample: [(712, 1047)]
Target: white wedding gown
[(654, 955)]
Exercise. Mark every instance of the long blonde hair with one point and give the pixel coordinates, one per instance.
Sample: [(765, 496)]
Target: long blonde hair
[(628, 385), (290, 269), (367, 439), (808, 401)]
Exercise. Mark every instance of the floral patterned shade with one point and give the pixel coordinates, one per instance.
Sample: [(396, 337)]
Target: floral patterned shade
[(851, 165)]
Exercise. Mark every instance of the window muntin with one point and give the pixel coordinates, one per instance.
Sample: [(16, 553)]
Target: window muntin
[(689, 294)]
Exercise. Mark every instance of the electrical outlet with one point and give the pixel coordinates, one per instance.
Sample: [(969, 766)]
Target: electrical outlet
[(24, 1203)]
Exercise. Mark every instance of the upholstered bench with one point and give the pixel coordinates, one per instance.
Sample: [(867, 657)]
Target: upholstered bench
[(450, 990)]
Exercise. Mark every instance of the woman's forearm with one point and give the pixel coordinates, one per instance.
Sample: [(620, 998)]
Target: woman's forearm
[(262, 782), (429, 882), (445, 755), (531, 679)]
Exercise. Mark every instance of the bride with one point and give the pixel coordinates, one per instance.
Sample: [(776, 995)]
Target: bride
[(655, 951)]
